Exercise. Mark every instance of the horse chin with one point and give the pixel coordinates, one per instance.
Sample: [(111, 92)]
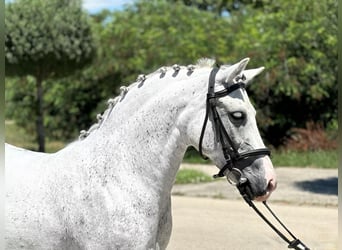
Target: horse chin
[(264, 197), (272, 185)]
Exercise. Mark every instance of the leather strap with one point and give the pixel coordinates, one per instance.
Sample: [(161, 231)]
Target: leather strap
[(296, 243)]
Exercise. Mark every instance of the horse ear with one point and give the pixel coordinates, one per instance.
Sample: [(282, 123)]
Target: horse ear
[(251, 73), (228, 73)]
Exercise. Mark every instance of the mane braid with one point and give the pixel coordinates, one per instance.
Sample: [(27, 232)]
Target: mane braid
[(201, 63)]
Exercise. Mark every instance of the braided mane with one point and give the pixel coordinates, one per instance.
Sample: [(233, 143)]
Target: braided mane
[(201, 63)]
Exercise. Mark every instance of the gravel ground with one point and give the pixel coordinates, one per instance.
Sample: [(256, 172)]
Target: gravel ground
[(213, 215), (221, 224)]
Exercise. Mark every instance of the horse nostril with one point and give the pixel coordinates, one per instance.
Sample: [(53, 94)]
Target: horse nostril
[(272, 185)]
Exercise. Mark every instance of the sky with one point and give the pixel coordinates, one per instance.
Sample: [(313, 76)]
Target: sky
[(94, 6)]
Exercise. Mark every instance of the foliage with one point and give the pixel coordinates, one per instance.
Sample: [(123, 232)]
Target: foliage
[(69, 105), (150, 34), (73, 102), (20, 102), (312, 138), (134, 41), (17, 136), (44, 39), (318, 159), (295, 40), (322, 158), (192, 156), (222, 7), (191, 176), (297, 43), (286, 157)]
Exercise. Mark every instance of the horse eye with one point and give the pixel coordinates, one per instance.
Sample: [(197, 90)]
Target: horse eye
[(237, 115)]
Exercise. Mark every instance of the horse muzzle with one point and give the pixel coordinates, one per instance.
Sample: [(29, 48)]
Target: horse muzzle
[(259, 179)]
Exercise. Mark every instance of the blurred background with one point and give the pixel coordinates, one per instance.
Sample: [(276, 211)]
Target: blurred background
[(66, 58)]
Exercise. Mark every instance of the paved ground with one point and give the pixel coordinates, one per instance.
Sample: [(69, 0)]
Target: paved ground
[(213, 216)]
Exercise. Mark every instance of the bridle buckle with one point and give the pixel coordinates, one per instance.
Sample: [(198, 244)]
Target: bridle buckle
[(235, 177)]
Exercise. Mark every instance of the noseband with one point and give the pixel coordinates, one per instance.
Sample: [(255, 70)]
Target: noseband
[(230, 152), (234, 159)]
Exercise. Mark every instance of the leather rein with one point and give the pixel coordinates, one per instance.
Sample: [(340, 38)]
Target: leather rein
[(233, 157)]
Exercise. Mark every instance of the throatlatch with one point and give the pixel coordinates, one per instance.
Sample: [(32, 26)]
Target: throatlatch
[(233, 157)]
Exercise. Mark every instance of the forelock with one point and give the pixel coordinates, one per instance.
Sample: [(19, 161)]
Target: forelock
[(206, 62)]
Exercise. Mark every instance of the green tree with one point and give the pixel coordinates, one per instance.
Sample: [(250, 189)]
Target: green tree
[(297, 43), (46, 39), (150, 34), (222, 7), (295, 40), (134, 41)]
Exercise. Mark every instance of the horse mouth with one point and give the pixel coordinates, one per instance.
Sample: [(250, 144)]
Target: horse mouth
[(246, 189), (263, 196)]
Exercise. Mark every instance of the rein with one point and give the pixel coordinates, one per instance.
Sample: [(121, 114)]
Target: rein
[(295, 243), (233, 157)]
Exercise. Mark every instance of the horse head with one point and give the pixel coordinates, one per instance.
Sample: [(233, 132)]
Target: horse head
[(225, 130)]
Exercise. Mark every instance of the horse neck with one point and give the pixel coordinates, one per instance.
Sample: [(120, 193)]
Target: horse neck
[(146, 132)]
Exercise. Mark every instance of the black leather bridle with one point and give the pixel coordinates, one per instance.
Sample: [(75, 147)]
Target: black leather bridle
[(235, 161), (230, 152)]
